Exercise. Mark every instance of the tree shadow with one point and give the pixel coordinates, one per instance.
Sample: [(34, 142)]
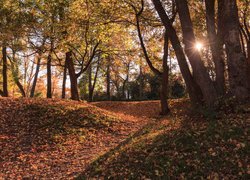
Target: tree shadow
[(190, 147)]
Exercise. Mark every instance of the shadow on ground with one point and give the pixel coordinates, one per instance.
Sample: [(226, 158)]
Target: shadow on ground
[(185, 147)]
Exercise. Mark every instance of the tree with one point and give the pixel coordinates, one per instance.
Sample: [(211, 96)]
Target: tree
[(192, 87), (237, 63), (216, 44)]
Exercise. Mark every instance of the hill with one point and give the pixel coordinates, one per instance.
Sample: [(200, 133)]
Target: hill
[(55, 139)]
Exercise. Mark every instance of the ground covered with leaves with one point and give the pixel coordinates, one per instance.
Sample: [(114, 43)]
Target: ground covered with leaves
[(55, 139), (186, 145)]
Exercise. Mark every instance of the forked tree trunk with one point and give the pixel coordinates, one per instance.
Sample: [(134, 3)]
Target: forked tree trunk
[(4, 71), (73, 77), (237, 62), (33, 88), (200, 73), (216, 45), (192, 87)]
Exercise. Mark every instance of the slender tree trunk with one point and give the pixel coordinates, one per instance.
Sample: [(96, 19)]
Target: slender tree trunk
[(64, 79), (49, 81), (237, 62), (248, 63), (20, 86), (5, 75), (141, 83), (15, 75), (200, 73), (95, 78), (108, 79), (33, 88), (216, 45), (192, 87), (90, 83), (164, 80), (123, 90), (73, 78)]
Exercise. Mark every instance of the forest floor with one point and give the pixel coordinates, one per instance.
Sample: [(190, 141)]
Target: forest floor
[(55, 139)]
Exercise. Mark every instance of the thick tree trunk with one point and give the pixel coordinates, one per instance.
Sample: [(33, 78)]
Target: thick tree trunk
[(49, 81), (237, 62), (216, 45), (200, 73), (192, 87), (5, 75), (33, 88), (73, 78), (164, 80), (64, 80)]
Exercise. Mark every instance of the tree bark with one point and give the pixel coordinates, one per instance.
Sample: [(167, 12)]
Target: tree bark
[(4, 71), (237, 62), (15, 75), (90, 83), (73, 77), (200, 73), (33, 88), (49, 81), (64, 79), (216, 45), (192, 87), (108, 79), (95, 79), (165, 79)]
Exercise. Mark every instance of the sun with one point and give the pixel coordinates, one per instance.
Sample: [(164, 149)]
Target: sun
[(198, 46)]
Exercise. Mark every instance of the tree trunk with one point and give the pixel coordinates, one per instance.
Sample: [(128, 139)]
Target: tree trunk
[(141, 83), (192, 87), (5, 75), (49, 81), (90, 83), (200, 73), (95, 78), (216, 45), (73, 78), (248, 63), (164, 80), (108, 79), (64, 79), (15, 75), (20, 86), (32, 92), (237, 62)]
